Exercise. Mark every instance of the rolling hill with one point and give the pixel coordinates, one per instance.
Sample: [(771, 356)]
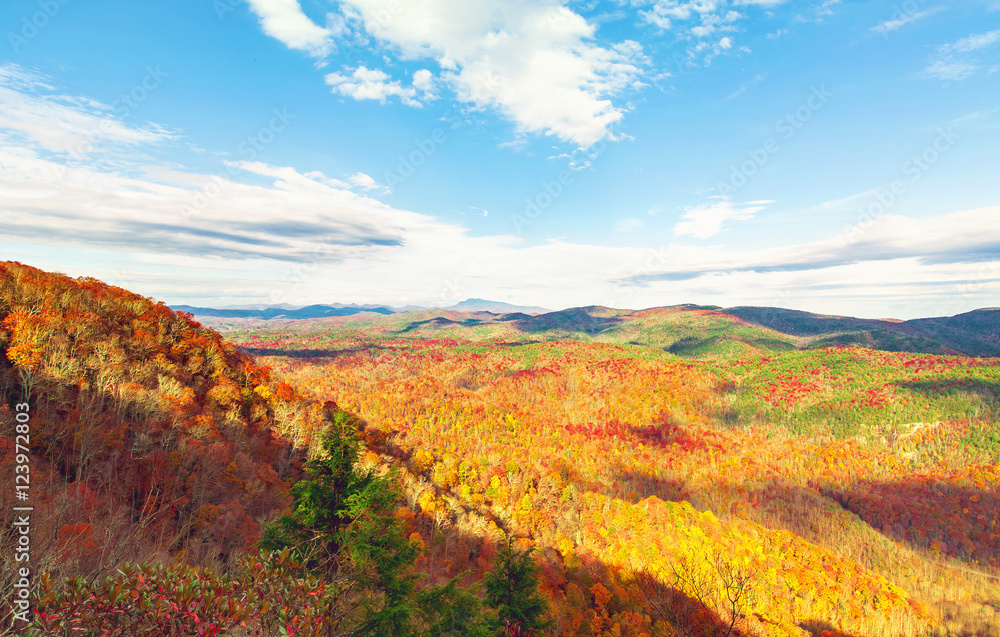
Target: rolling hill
[(975, 333), (689, 331)]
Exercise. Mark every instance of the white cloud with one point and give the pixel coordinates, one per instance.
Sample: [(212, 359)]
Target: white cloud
[(975, 42), (366, 183), (706, 220), (534, 62), (127, 223), (664, 12), (950, 70), (710, 17), (849, 203), (894, 24), (926, 267), (374, 84), (285, 21), (957, 61), (29, 108), (826, 9), (423, 80)]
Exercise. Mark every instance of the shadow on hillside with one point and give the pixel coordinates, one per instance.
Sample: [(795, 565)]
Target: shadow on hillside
[(777, 504), (439, 321), (949, 519), (799, 323), (118, 479), (881, 339), (309, 353), (635, 486), (988, 391), (691, 345), (685, 612), (821, 628), (574, 320), (664, 434)]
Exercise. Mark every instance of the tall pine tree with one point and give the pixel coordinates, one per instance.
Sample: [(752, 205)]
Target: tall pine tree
[(342, 526), (512, 589)]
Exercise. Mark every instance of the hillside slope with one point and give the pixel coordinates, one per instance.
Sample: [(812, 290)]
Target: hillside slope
[(150, 437), (975, 333), (857, 488)]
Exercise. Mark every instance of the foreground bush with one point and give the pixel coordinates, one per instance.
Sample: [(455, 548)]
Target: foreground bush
[(271, 594)]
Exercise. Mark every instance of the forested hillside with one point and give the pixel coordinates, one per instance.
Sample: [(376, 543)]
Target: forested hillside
[(150, 437), (834, 491), (515, 483), (171, 485)]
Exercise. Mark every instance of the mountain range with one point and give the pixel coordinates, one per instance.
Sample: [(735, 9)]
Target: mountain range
[(692, 331), (286, 311)]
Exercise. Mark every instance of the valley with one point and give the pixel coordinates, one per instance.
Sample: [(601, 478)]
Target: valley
[(748, 482), (881, 463)]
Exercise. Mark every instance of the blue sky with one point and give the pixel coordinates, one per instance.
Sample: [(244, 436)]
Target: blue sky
[(832, 156)]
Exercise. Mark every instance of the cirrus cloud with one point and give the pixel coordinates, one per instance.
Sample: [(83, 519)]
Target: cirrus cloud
[(706, 220), (958, 60)]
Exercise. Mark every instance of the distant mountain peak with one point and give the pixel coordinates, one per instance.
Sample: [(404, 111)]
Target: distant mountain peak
[(497, 307)]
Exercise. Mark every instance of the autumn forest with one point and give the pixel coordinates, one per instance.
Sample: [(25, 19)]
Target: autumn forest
[(674, 471)]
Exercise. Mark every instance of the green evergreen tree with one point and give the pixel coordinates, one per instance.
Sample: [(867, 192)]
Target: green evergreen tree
[(451, 611), (342, 526), (316, 527), (512, 589)]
